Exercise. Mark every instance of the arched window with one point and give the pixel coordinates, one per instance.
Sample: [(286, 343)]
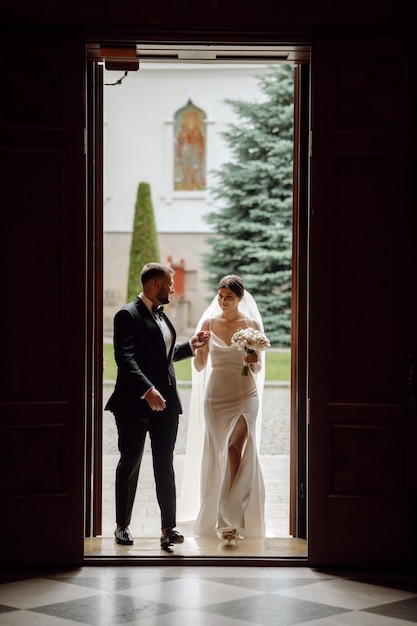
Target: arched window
[(190, 149)]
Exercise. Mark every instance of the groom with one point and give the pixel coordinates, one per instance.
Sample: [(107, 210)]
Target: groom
[(145, 398)]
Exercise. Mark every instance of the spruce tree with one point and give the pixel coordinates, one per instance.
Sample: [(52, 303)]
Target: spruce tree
[(144, 247), (253, 227)]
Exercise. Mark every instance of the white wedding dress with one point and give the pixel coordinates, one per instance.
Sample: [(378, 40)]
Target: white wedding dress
[(228, 395)]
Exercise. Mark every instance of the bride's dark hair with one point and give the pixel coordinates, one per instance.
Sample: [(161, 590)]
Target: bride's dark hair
[(234, 283)]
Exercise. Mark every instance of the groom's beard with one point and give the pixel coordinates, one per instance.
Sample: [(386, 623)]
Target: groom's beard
[(163, 297)]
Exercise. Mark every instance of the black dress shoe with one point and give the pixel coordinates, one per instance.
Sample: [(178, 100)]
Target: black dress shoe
[(123, 536), (171, 536)]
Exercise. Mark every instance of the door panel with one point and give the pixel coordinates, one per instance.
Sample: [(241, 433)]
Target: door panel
[(298, 451), (42, 247), (94, 429), (362, 264)]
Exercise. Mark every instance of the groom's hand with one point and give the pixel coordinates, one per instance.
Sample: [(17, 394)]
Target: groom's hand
[(155, 400)]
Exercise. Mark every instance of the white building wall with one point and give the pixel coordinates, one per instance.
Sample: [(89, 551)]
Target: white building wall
[(139, 147)]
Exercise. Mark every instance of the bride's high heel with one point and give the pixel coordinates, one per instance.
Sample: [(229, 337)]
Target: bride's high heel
[(230, 536)]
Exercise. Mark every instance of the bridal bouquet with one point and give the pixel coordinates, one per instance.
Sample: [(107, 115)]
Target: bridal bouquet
[(251, 340)]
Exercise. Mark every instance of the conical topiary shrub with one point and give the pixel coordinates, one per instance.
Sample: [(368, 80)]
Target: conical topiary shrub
[(144, 247)]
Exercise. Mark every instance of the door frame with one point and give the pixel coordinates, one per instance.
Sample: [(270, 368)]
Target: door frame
[(295, 55), (94, 321)]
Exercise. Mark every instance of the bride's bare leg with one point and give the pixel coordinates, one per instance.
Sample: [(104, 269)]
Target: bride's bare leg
[(236, 444)]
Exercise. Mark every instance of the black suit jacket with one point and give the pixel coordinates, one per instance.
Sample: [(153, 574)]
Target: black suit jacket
[(142, 362)]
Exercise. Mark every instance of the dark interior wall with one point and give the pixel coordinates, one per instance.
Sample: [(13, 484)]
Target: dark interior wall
[(211, 20), (263, 20)]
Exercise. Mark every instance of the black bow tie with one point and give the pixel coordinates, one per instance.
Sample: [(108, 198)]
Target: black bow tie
[(157, 310)]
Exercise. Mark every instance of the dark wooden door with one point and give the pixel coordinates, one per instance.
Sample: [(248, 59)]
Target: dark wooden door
[(362, 318), (43, 313)]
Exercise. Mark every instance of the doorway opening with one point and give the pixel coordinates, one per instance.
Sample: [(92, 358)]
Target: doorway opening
[(175, 77)]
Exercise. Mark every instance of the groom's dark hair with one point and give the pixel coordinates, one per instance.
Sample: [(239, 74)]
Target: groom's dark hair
[(154, 270), (234, 283)]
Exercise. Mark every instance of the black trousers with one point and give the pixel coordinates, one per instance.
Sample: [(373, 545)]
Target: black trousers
[(132, 428)]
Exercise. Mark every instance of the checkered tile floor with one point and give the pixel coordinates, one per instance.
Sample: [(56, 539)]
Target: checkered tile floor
[(207, 596)]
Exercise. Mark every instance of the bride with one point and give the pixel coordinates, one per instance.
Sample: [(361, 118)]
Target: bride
[(231, 485)]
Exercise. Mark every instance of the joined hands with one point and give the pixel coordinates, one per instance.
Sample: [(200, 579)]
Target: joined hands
[(200, 339)]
